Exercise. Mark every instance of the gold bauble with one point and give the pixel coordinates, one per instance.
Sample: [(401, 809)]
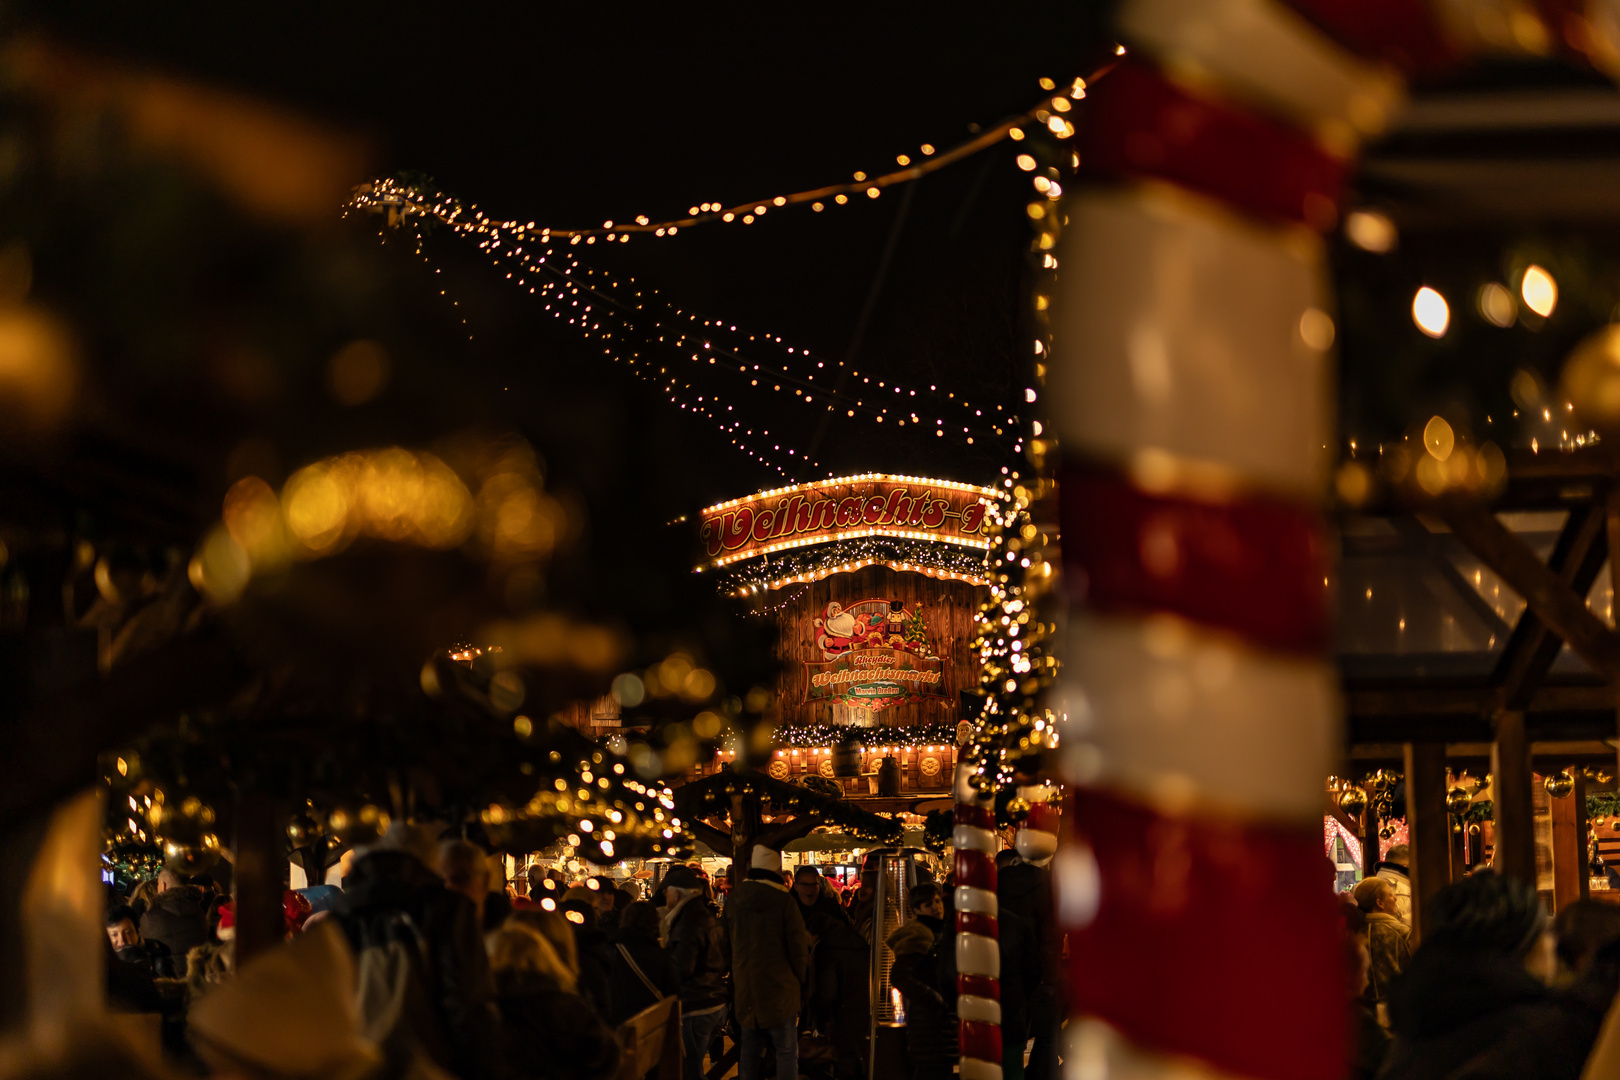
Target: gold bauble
[(185, 858), (1352, 801), (1559, 785), (359, 826), (185, 821), (1590, 380), (1458, 800), (303, 830)]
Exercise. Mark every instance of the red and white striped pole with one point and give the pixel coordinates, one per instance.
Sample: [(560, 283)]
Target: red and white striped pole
[(1191, 392), (978, 952)]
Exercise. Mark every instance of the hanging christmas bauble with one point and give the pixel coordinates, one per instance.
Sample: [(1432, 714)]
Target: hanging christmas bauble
[(1560, 784), (1590, 380), (303, 830), (185, 820), (361, 825), (185, 858), (1473, 830), (1458, 801), (1352, 800), (1017, 809)]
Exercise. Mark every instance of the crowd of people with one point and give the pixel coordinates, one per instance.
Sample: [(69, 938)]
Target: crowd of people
[(416, 966), (1493, 989)]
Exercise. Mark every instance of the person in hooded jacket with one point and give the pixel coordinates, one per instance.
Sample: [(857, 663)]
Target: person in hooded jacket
[(391, 884), (692, 934), (177, 916), (643, 974), (1474, 1002)]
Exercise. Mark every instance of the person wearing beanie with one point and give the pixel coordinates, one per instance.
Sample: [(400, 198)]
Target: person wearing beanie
[(691, 933), (1474, 999), (770, 955)]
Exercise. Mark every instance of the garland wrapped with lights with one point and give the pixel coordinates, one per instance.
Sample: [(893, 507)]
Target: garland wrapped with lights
[(844, 556), (712, 795), (1014, 727), (910, 737)]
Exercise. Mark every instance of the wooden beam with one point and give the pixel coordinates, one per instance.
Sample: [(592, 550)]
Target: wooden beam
[(1551, 598), (1511, 799), (1414, 531), (1427, 825), (1471, 700), (1576, 558)]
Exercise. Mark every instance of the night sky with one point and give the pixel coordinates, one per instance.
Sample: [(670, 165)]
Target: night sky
[(573, 116)]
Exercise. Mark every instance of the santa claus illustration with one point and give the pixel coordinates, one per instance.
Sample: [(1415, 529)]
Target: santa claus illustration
[(838, 630)]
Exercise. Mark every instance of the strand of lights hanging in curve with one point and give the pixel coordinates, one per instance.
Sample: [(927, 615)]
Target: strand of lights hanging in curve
[(704, 404), (556, 277), (403, 200), (1049, 113)]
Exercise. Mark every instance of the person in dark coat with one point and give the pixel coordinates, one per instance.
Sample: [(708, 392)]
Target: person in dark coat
[(841, 992), (691, 933), (592, 950), (915, 973), (392, 880), (177, 916), (129, 985), (1024, 889), (128, 946), (547, 1031), (770, 954), (638, 960), (1474, 1003)]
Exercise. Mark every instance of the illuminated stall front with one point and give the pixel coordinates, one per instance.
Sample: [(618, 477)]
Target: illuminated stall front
[(874, 582)]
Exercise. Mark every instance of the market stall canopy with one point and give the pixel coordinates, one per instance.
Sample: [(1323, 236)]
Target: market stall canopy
[(834, 840)]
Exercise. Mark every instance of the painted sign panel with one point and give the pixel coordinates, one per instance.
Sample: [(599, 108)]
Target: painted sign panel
[(847, 507), (874, 654)]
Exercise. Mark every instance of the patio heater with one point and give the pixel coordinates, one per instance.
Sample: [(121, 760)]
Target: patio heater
[(896, 870)]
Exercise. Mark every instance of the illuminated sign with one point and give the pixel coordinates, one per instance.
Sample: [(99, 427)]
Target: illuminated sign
[(873, 504), (875, 654)]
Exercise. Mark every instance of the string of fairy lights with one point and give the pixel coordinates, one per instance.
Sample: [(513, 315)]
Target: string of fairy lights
[(1012, 632), (936, 737), (756, 576), (610, 309), (614, 311), (555, 289)]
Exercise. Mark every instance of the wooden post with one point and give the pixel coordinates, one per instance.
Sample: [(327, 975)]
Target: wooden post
[(1569, 845), (1511, 799), (260, 862), (1427, 824), (1371, 843), (745, 825), (1612, 520)]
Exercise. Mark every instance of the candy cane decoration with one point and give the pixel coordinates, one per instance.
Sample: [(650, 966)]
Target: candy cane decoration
[(978, 952), (1191, 394), (1036, 840)]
